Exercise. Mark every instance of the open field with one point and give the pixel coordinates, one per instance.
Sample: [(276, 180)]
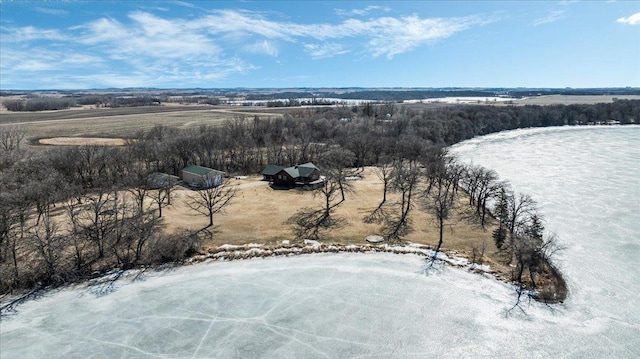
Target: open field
[(122, 122), (82, 141)]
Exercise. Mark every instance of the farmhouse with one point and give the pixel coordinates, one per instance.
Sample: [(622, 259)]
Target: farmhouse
[(300, 175), (269, 172), (201, 177)]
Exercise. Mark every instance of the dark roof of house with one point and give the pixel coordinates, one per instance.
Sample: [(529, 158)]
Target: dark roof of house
[(306, 169), (271, 170), (303, 170), (199, 170)]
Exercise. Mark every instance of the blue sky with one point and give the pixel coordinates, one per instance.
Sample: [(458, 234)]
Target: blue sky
[(257, 44)]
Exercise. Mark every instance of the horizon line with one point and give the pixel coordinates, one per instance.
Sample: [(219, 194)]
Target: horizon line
[(329, 88)]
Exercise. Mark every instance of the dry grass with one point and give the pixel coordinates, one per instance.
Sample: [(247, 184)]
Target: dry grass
[(259, 214), (82, 141)]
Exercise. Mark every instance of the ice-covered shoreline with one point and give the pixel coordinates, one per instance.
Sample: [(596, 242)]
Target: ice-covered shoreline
[(231, 252), (253, 250)]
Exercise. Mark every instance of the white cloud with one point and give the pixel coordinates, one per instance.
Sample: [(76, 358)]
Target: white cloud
[(49, 11), (362, 12), (318, 51), (630, 20), (34, 65), (552, 16), (243, 23), (148, 37), (103, 30), (77, 59), (262, 47), (30, 33), (145, 49), (385, 35), (183, 3), (392, 36), (46, 60), (104, 79)]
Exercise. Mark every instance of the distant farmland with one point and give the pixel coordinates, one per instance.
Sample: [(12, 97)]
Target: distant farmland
[(123, 122), (573, 99)]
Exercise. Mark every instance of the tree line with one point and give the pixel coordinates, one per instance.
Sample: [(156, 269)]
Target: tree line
[(48, 103)]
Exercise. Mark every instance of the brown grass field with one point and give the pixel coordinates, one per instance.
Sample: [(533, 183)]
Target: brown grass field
[(259, 214)]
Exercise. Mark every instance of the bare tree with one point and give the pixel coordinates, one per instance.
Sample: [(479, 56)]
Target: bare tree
[(404, 179), (308, 221), (470, 178), (49, 246), (138, 183), (10, 138), (534, 253), (521, 208), (212, 199), (440, 201), (487, 188), (161, 194), (77, 238), (95, 220), (482, 185), (131, 232), (14, 212), (384, 173)]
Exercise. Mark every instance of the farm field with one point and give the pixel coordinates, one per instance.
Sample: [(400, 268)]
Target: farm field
[(572, 99), (121, 122), (125, 122)]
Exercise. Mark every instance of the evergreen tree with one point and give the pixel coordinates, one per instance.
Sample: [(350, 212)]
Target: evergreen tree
[(500, 235), (535, 229), (501, 211)]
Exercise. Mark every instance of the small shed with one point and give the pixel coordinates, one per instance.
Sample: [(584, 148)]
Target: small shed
[(269, 172), (161, 180), (201, 177)]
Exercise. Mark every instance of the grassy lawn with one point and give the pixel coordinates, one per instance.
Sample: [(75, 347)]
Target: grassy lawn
[(259, 214)]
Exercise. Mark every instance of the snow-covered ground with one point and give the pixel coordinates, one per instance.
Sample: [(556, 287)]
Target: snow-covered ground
[(462, 100)]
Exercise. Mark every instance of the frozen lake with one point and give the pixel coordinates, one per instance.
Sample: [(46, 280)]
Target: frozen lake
[(379, 306), (587, 183)]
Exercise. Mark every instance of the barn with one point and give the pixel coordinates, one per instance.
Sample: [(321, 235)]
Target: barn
[(201, 177)]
